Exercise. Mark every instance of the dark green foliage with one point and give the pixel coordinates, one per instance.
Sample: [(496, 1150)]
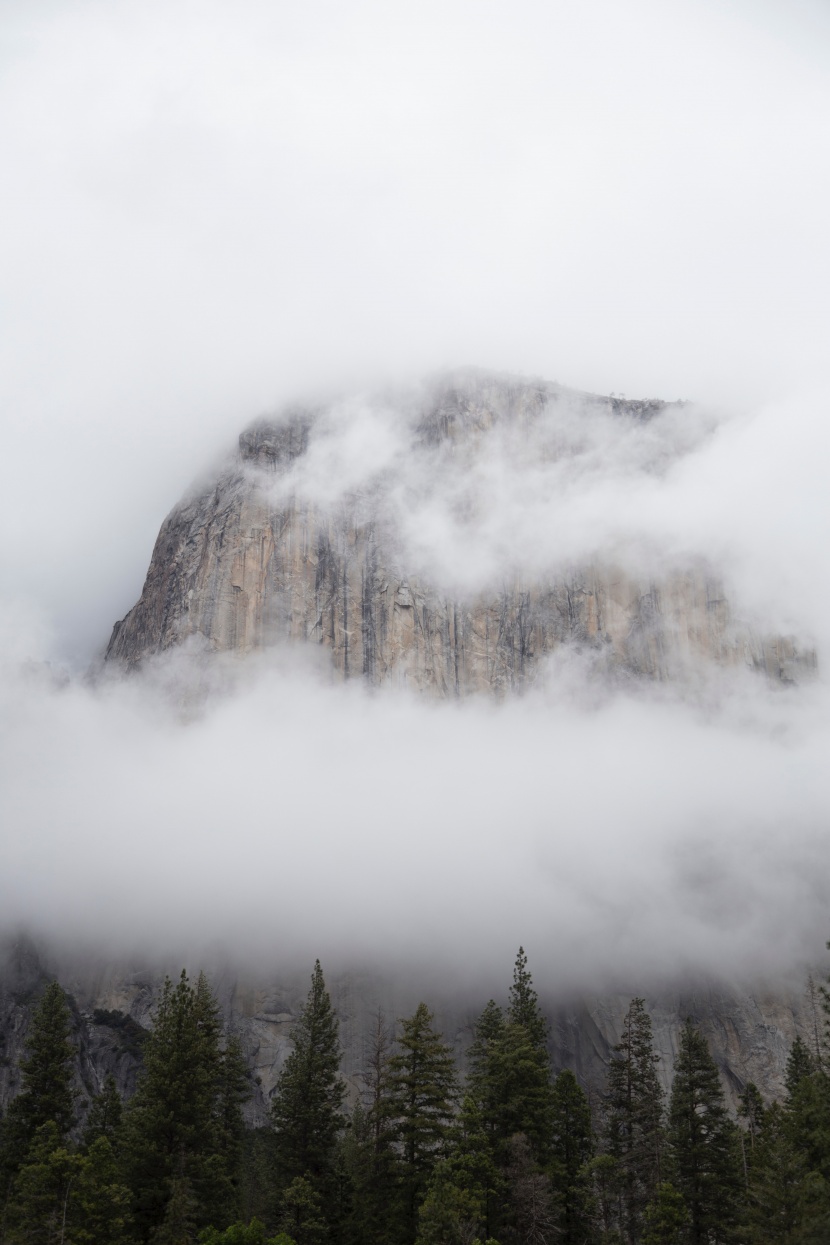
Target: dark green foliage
[(60, 1195), (38, 1208), (510, 1077), (775, 1182), (800, 1064), (47, 1068), (751, 1111), (369, 1150), (523, 1008), (461, 1191), (306, 1109), (422, 1092), (131, 1035), (634, 1134), (104, 1116), (705, 1161), (571, 1151), (179, 1225), (47, 1095), (252, 1233), (302, 1213), (666, 1219), (179, 1138), (256, 1187)]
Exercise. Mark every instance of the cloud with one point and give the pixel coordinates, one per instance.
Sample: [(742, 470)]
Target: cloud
[(213, 211)]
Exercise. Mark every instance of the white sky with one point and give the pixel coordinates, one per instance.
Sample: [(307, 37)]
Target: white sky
[(210, 208)]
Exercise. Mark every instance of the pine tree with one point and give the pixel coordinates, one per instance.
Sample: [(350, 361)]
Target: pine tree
[(101, 1201), (510, 1076), (302, 1215), (800, 1064), (175, 1126), (634, 1121), (369, 1154), (463, 1186), (666, 1219), (703, 1145), (776, 1176), (571, 1151), (39, 1209), (422, 1095), (306, 1108), (523, 1008), (47, 1094)]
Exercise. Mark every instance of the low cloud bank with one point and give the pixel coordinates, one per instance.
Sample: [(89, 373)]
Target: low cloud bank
[(629, 841)]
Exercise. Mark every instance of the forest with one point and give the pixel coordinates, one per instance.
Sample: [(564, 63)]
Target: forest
[(508, 1155)]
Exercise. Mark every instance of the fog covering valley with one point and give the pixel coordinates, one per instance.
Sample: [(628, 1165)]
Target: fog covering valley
[(216, 214), (219, 806)]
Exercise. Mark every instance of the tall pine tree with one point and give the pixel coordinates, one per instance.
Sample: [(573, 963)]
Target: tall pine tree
[(705, 1161), (175, 1135), (634, 1133), (306, 1107), (423, 1091), (47, 1095)]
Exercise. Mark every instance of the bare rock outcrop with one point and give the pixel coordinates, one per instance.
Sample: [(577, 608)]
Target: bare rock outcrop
[(255, 558)]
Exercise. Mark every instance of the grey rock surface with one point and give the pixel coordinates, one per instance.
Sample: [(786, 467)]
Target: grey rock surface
[(242, 564)]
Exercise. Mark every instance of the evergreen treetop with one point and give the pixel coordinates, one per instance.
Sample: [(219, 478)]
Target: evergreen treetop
[(306, 1108)]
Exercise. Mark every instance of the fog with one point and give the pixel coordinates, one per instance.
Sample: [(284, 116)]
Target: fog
[(212, 210)]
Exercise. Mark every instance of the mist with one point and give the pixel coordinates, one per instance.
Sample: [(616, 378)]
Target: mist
[(215, 211), (630, 834)]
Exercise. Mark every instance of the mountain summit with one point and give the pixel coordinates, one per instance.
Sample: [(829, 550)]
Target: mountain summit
[(443, 538)]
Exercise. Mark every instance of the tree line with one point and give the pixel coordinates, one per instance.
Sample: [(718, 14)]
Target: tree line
[(509, 1155)]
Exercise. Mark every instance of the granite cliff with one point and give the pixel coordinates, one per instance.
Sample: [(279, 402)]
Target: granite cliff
[(256, 556)]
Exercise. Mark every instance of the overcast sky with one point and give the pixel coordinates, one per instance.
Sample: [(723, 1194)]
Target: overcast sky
[(210, 208)]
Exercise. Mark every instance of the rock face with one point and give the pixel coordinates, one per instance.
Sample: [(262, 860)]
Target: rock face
[(254, 559)]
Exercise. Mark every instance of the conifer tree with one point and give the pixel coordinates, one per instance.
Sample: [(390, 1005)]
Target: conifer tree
[(634, 1132), (703, 1145), (369, 1154), (39, 1209), (523, 1008), (774, 1204), (101, 1201), (47, 1094), (47, 1071), (666, 1219), (800, 1064), (571, 1151), (175, 1126), (423, 1091), (306, 1108), (510, 1075), (463, 1186)]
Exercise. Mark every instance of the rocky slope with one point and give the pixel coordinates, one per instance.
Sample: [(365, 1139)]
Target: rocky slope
[(259, 556)]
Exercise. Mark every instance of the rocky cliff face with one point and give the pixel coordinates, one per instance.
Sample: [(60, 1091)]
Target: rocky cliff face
[(256, 558)]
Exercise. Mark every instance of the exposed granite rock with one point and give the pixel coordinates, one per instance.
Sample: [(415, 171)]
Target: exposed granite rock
[(240, 566)]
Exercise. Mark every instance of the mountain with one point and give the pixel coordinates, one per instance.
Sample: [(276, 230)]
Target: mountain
[(447, 538), (398, 568)]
